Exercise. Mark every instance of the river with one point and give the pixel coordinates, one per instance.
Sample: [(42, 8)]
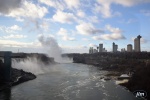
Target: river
[(69, 81)]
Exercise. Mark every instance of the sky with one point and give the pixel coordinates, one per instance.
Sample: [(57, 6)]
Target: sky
[(75, 25)]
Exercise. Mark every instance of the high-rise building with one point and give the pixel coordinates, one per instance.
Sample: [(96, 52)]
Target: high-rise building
[(91, 50), (137, 47), (129, 48), (115, 47), (100, 47)]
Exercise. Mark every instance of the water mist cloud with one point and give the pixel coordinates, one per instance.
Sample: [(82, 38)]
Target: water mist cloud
[(51, 45)]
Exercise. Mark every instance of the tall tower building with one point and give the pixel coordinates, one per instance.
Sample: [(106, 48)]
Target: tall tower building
[(137, 46), (100, 47), (129, 48), (115, 47)]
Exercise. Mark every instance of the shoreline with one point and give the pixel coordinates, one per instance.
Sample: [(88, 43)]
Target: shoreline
[(135, 65), (18, 76)]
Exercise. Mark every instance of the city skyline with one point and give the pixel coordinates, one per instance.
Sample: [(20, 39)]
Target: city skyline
[(75, 25), (129, 48)]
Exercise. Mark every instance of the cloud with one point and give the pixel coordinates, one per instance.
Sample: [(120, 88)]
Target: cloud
[(15, 28), (64, 17), (104, 7), (145, 12), (80, 13), (59, 5), (85, 39), (115, 34), (142, 40), (12, 43), (129, 3), (131, 21), (64, 34), (72, 3), (12, 36), (25, 11), (87, 29), (113, 30), (6, 6), (93, 45), (11, 29), (93, 19), (74, 49), (44, 26)]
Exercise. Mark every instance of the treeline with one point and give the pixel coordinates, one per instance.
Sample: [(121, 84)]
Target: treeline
[(126, 55)]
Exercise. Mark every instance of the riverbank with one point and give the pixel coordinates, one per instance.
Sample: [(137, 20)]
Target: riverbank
[(137, 65), (18, 76)]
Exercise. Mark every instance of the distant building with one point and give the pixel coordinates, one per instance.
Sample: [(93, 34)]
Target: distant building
[(95, 51), (91, 50), (123, 50), (100, 47), (129, 48), (104, 50), (137, 47), (115, 47)]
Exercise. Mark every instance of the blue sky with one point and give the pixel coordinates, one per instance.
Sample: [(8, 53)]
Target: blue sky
[(74, 24)]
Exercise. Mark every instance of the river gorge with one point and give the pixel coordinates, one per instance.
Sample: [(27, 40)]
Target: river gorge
[(69, 81)]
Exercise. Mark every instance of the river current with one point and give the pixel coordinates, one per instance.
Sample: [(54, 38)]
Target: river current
[(69, 81)]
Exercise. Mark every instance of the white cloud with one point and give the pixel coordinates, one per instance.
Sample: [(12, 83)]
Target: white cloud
[(113, 30), (64, 35), (44, 26), (61, 4), (142, 40), (93, 45), (104, 6), (85, 39), (12, 43), (72, 3), (57, 4), (62, 32), (64, 17), (93, 19), (74, 49), (12, 36), (15, 28), (25, 11), (20, 20), (67, 38), (130, 2), (80, 13), (11, 29), (104, 9), (87, 29), (115, 34)]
